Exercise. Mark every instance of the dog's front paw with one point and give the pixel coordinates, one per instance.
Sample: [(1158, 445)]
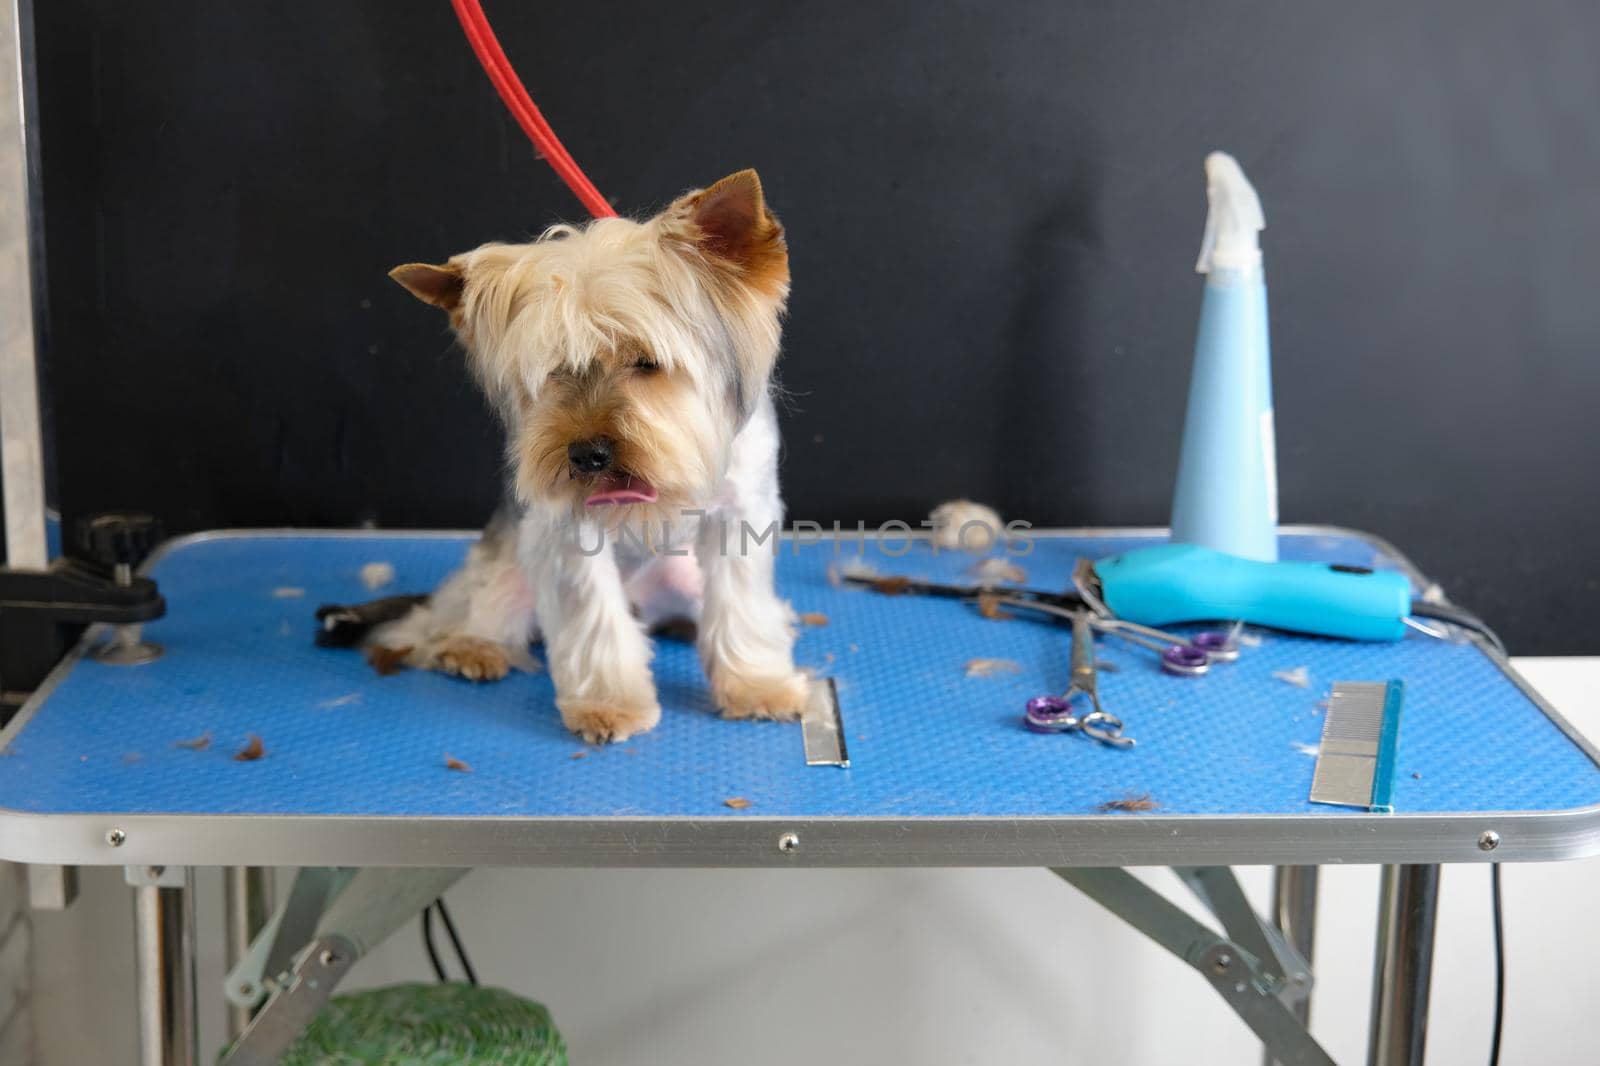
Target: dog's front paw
[(782, 697), (599, 721), (473, 659)]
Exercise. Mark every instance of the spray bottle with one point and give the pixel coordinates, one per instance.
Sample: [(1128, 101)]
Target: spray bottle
[(1227, 492), (1223, 563)]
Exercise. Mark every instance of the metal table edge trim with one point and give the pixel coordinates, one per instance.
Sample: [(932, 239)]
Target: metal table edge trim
[(1040, 840)]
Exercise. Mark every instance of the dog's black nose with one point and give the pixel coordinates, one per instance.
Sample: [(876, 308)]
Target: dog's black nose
[(590, 456)]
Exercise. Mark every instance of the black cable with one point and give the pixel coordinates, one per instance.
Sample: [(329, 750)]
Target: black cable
[(461, 953), (1499, 964), (1457, 616), (427, 942)]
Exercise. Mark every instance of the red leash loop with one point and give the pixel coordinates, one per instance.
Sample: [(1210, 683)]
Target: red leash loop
[(520, 104)]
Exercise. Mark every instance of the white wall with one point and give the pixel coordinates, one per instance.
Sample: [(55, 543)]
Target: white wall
[(934, 967)]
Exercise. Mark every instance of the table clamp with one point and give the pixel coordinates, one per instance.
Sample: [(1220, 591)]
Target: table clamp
[(44, 612)]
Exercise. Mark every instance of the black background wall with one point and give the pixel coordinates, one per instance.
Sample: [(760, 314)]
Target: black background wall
[(993, 209)]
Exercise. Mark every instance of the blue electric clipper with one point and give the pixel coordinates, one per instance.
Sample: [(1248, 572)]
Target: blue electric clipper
[(1172, 583)]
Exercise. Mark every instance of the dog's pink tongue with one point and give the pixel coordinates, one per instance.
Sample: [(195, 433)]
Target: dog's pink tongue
[(620, 488)]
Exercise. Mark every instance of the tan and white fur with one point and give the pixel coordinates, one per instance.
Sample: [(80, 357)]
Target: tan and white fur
[(631, 363)]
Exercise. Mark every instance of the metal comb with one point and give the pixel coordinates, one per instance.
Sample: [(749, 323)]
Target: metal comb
[(1355, 765)]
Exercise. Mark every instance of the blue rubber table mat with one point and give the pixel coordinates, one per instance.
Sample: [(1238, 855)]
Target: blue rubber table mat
[(924, 738)]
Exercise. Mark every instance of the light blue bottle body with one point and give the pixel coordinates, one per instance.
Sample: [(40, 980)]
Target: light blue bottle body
[(1227, 492)]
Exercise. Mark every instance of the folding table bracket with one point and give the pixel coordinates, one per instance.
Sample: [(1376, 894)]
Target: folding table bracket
[(332, 918), (302, 994), (1282, 968), (284, 934), (314, 890), (1251, 968)]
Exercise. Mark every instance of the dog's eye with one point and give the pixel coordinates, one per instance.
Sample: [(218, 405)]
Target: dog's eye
[(646, 364)]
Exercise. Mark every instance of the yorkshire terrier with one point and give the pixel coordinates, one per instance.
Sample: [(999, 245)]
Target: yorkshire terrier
[(631, 363)]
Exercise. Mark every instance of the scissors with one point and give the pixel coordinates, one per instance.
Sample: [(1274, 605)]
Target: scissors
[(1180, 655), (1059, 714)]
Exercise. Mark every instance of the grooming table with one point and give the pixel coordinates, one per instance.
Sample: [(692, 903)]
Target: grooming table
[(942, 771)]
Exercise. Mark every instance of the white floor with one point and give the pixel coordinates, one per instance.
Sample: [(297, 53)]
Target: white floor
[(933, 967)]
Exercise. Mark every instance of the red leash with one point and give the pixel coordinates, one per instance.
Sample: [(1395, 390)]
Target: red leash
[(520, 104)]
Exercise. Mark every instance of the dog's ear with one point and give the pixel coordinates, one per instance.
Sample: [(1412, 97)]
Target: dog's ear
[(730, 221), (440, 286)]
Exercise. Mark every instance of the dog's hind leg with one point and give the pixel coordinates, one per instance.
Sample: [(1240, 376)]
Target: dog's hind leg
[(477, 625)]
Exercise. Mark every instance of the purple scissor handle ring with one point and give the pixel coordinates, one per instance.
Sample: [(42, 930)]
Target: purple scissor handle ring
[(1056, 714), (1222, 647), (1185, 660), (1051, 714)]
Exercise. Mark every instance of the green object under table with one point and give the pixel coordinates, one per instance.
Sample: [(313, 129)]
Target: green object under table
[(430, 1025)]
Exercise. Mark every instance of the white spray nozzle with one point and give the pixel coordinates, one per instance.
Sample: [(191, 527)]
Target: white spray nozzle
[(1233, 220)]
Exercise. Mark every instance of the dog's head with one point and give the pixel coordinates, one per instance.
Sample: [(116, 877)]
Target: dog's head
[(623, 355)]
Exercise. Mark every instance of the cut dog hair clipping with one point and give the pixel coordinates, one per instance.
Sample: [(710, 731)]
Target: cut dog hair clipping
[(962, 525), (199, 743), (991, 667), (998, 571), (377, 574), (1129, 803)]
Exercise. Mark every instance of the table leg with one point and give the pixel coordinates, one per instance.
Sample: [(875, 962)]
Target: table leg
[(163, 920), (1407, 910), (1294, 912), (247, 904)]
